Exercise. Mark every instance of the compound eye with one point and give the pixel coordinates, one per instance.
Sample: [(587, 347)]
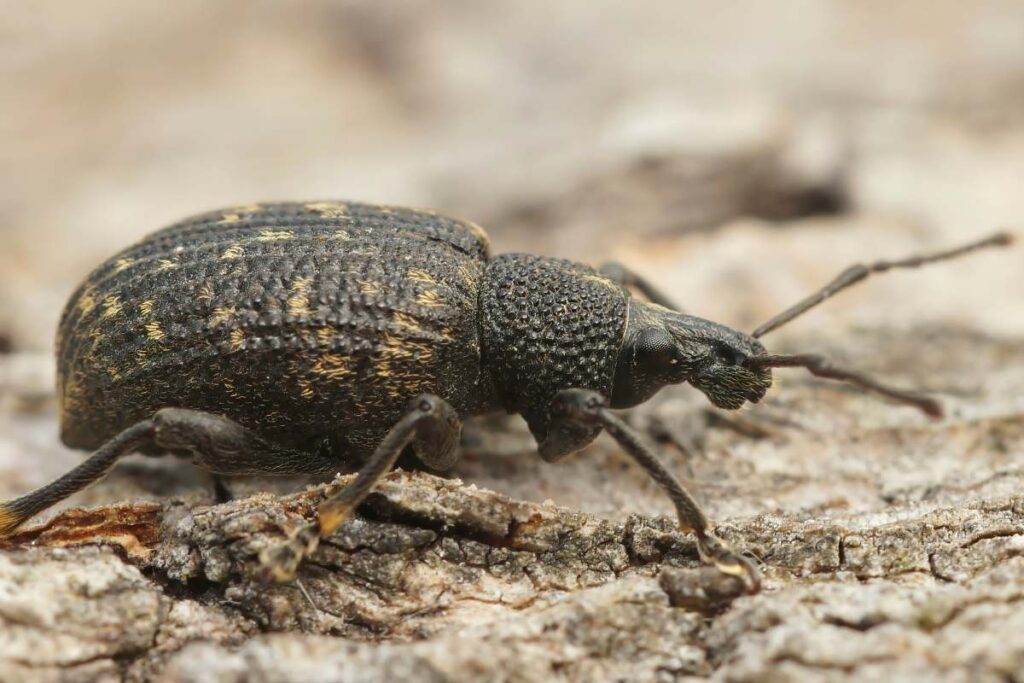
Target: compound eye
[(655, 348)]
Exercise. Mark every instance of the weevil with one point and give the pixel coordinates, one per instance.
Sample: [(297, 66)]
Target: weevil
[(315, 337)]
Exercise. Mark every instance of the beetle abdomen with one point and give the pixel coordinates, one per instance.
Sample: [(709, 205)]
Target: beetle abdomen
[(298, 320)]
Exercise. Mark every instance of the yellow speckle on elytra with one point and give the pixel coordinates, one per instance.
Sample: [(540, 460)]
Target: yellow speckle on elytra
[(466, 275), (342, 235), (478, 232), (368, 286), (165, 264), (298, 302), (325, 337), (234, 215), (366, 250), (95, 337), (396, 349), (154, 331), (71, 397), (221, 315), (333, 366), (405, 320), (328, 209), (146, 308), (87, 302), (231, 390), (205, 293), (274, 235), (418, 275), (111, 306), (429, 298), (232, 252), (123, 264), (237, 340)]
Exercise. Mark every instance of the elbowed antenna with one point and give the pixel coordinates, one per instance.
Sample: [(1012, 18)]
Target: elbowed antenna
[(822, 367), (856, 273)]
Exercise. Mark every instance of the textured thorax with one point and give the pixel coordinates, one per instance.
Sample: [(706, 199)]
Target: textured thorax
[(546, 325), (298, 320)]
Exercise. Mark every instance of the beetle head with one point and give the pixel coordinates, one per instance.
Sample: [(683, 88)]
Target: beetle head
[(663, 347)]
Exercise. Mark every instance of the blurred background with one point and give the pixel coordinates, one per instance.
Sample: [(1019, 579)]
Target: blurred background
[(581, 128), (740, 153)]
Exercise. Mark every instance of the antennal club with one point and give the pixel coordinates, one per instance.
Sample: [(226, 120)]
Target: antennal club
[(856, 273)]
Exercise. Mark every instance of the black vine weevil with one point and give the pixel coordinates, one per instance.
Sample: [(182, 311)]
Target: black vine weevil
[(313, 337)]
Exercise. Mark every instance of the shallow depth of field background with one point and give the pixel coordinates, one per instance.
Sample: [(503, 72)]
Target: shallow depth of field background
[(578, 128), (740, 153)]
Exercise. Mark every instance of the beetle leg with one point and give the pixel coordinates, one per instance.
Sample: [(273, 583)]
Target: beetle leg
[(16, 512), (624, 276), (436, 443), (589, 410), (217, 444), (221, 492), (222, 446), (431, 427), (566, 432)]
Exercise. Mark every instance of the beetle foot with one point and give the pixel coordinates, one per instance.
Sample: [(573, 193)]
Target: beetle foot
[(719, 553), (279, 563)]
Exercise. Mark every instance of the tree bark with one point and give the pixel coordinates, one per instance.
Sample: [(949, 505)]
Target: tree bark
[(892, 550)]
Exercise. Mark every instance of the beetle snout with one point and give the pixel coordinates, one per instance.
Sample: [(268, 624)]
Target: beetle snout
[(731, 386), (757, 392)]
